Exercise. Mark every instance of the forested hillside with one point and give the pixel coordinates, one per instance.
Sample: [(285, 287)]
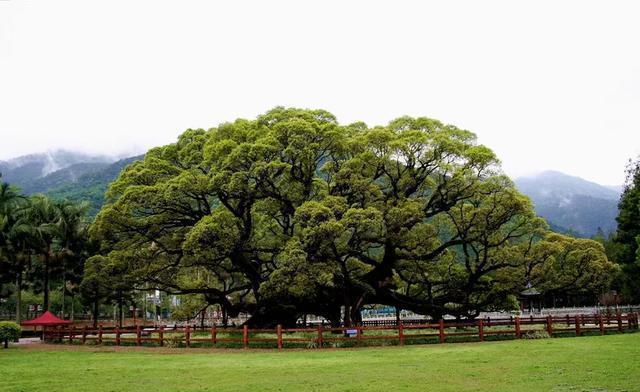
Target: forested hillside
[(572, 204), (65, 175), (27, 171), (92, 186)]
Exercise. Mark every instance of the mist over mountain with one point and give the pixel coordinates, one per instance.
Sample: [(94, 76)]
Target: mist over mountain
[(617, 188), (571, 203), (91, 186), (65, 174), (25, 170)]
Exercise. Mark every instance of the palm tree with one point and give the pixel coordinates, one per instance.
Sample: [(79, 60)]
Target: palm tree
[(40, 216), (71, 233), (19, 254), (8, 196), (13, 238), (54, 231)]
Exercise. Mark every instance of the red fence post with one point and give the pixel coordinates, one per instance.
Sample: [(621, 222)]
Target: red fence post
[(117, 336), (161, 336), (279, 333), (245, 336), (71, 333), (401, 333), (100, 334), (138, 336), (213, 335), (480, 330), (550, 326), (320, 337), (187, 336), (441, 330), (84, 334), (578, 330), (518, 333)]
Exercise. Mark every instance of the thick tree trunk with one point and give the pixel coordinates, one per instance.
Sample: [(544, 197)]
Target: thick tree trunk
[(356, 315), (270, 317), (334, 317), (347, 316), (225, 317), (386, 296)]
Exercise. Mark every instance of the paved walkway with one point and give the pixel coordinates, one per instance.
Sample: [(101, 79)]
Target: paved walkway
[(27, 341)]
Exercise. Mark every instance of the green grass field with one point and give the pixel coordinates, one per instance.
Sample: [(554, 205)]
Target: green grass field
[(595, 363)]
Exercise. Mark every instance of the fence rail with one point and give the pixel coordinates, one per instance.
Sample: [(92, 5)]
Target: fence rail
[(323, 336)]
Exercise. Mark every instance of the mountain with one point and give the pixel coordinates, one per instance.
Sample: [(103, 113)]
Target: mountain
[(572, 204), (92, 186), (618, 188), (64, 174), (30, 172), (60, 177)]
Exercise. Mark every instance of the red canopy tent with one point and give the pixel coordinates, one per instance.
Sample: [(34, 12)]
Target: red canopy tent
[(46, 319)]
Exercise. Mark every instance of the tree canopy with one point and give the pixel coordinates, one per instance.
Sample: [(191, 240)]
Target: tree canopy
[(294, 213), (40, 238), (625, 245)]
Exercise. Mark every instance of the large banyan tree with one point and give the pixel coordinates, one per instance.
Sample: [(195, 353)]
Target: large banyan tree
[(293, 213)]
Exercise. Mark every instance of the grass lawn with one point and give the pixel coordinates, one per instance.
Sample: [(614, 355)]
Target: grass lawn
[(594, 363)]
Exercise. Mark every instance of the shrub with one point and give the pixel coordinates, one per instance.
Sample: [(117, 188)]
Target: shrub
[(9, 331), (536, 335), (174, 341)]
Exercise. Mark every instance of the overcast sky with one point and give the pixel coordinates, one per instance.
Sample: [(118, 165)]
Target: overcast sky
[(547, 85)]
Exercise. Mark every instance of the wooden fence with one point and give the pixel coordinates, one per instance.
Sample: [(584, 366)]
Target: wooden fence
[(325, 336)]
